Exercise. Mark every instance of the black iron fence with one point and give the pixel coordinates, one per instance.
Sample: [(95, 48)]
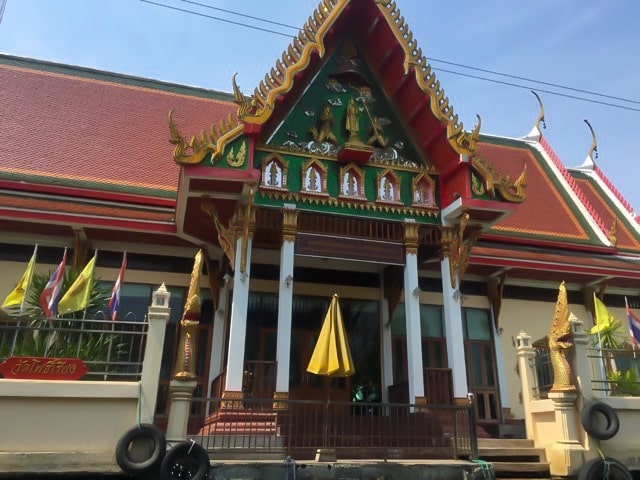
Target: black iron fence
[(362, 430), (615, 371), (110, 350)]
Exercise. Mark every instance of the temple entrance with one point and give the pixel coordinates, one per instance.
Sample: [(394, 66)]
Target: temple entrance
[(308, 386)]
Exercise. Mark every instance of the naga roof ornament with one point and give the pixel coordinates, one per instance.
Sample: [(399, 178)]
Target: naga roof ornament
[(193, 151)]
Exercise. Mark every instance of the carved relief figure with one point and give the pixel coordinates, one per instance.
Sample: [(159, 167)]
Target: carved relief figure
[(323, 132), (351, 122)]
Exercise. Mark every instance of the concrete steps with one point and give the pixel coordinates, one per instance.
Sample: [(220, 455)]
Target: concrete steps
[(514, 458)]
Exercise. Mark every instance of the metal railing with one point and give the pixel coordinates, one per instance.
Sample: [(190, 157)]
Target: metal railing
[(110, 350), (615, 371), (544, 372), (242, 428)]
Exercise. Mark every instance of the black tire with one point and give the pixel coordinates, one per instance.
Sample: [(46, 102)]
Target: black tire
[(185, 461), (128, 459), (591, 425), (607, 469)]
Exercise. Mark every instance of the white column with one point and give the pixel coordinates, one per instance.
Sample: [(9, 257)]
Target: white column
[(387, 351), (454, 332), (219, 330), (500, 366), (158, 317), (238, 323), (412, 317), (285, 302)]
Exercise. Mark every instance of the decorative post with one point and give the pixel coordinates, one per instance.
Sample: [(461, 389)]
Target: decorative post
[(526, 356), (184, 381), (157, 317), (566, 454)]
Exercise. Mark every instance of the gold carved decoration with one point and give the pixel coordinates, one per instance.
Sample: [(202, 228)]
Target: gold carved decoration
[(559, 342), (238, 159), (456, 249), (80, 249), (225, 234), (194, 150), (477, 187), (305, 197), (495, 288), (411, 238), (186, 355), (275, 171), (280, 400), (496, 182), (461, 141), (279, 80), (248, 225), (289, 224), (232, 399), (323, 132), (613, 233)]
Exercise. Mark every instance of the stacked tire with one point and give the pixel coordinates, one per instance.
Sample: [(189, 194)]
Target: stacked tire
[(142, 453), (606, 467)]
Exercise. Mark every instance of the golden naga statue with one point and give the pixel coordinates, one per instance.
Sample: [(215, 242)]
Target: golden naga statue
[(185, 368), (559, 342)]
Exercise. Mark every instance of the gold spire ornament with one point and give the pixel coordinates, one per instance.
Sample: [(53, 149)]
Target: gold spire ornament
[(186, 358)]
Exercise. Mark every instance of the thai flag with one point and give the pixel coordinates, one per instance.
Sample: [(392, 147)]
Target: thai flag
[(114, 301), (51, 292), (634, 325)]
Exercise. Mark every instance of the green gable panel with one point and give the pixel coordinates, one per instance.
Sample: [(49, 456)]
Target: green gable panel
[(346, 96)]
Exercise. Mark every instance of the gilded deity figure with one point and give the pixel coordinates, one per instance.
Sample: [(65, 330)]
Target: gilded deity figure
[(324, 133), (352, 122)]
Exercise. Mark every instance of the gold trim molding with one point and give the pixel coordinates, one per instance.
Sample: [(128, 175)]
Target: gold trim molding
[(193, 151), (456, 249)]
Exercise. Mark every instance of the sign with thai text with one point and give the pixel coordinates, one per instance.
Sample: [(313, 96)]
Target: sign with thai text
[(41, 368)]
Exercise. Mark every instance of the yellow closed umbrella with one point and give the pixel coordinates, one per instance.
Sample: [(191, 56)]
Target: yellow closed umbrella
[(331, 356)]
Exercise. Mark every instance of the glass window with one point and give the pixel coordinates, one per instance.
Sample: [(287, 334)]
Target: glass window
[(477, 324), (430, 321)]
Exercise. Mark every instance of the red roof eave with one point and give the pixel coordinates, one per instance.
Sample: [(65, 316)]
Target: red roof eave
[(88, 221), (532, 242), (87, 193)]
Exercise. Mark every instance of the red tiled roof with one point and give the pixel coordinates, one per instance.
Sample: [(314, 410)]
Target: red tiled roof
[(547, 214), (56, 120), (626, 238)]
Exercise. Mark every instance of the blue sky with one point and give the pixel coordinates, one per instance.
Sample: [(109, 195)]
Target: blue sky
[(590, 45)]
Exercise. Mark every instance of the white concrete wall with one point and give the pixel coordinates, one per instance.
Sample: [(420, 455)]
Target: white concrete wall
[(48, 425)]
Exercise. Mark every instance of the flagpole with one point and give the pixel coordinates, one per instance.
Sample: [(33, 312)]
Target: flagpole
[(29, 278), (634, 342), (118, 285), (88, 292)]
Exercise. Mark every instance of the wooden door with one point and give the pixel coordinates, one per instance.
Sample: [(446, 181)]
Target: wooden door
[(482, 374), (308, 386)]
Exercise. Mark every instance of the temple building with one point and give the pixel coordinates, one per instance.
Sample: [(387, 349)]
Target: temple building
[(346, 171)]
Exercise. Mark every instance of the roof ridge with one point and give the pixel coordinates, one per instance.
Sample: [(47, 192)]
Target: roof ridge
[(573, 185), (77, 71), (616, 193)]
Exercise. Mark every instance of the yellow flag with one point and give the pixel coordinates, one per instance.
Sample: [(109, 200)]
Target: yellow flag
[(603, 318), (79, 293), (16, 297)]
